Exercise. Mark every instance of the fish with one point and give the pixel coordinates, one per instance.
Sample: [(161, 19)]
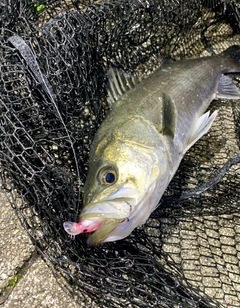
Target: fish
[(141, 142)]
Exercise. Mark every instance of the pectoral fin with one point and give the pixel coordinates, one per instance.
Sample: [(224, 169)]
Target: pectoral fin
[(169, 116), (201, 127), (227, 89)]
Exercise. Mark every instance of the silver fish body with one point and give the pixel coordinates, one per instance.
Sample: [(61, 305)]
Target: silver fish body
[(140, 144)]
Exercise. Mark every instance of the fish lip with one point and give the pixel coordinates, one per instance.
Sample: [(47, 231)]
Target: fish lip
[(84, 226), (112, 211), (99, 236), (109, 208), (90, 225), (103, 227), (102, 217)]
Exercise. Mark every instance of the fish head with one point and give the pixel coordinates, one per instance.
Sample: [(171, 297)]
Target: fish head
[(118, 193), (128, 173)]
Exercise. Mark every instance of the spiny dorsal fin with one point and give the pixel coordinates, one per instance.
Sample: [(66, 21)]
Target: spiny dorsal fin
[(119, 82), (169, 116)]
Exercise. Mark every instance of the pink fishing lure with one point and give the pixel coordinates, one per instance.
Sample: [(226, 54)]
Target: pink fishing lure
[(85, 226)]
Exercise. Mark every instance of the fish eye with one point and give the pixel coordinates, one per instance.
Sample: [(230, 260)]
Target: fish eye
[(108, 176)]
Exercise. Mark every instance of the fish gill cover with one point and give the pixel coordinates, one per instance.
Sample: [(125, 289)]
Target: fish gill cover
[(54, 57)]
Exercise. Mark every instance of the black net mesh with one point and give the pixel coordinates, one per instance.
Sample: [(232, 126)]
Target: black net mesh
[(54, 57)]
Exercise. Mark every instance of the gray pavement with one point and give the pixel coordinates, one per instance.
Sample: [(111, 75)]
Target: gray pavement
[(26, 280)]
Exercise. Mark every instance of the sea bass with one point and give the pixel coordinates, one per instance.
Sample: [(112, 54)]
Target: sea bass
[(141, 142)]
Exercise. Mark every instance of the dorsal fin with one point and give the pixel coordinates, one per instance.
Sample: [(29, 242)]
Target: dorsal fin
[(119, 82)]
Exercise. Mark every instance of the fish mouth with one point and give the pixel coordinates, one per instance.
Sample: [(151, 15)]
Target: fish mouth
[(98, 228), (99, 219), (84, 226)]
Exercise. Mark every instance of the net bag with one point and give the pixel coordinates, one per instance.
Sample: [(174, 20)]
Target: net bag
[(54, 58)]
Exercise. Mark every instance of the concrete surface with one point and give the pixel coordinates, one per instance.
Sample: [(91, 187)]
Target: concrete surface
[(26, 280)]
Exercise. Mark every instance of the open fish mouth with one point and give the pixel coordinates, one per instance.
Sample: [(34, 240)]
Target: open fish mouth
[(97, 228), (100, 219)]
